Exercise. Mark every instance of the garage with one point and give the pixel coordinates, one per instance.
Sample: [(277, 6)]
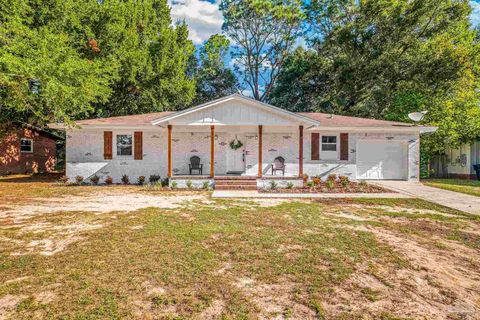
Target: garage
[(382, 160)]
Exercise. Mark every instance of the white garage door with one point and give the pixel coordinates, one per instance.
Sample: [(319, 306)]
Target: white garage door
[(381, 160)]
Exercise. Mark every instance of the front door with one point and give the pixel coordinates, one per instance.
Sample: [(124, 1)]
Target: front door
[(236, 157)]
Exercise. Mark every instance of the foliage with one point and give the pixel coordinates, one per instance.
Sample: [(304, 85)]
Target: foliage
[(344, 181), (273, 184), (213, 79), (125, 179), (263, 33), (153, 178), (74, 59), (174, 184), (94, 179), (236, 144), (206, 185), (79, 179), (189, 184), (386, 58), (108, 180), (330, 183), (289, 185), (63, 179), (316, 181), (141, 180), (332, 177)]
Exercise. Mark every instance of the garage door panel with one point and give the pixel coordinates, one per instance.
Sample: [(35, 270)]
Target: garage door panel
[(381, 160)]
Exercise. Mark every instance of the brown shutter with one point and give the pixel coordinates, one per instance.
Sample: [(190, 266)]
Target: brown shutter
[(315, 149), (138, 145), (107, 145), (343, 146)]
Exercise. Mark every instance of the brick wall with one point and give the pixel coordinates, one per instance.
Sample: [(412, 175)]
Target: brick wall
[(42, 159)]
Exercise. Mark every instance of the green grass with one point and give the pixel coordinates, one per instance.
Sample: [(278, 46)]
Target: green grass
[(471, 187)]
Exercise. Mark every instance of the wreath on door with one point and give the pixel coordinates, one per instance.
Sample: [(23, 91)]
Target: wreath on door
[(236, 144)]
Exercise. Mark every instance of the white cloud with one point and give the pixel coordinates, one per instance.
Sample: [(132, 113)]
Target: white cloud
[(475, 15), (202, 17)]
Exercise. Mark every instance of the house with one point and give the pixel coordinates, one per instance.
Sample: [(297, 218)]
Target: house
[(242, 137), (27, 150), (458, 162)]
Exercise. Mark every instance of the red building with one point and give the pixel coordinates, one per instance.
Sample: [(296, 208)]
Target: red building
[(27, 150)]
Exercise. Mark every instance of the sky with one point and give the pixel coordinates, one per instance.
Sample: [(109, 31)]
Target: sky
[(205, 19)]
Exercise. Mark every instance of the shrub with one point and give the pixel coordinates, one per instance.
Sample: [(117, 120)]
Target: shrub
[(289, 185), (189, 184), (316, 181), (94, 179), (79, 179), (363, 184), (330, 184), (174, 184), (141, 180), (108, 180), (273, 184), (164, 182), (310, 184), (63, 179), (344, 181), (154, 178), (332, 177), (206, 185), (125, 179), (305, 178)]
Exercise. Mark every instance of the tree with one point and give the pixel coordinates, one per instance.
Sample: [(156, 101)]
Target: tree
[(264, 32), (62, 60), (213, 78), (386, 58)]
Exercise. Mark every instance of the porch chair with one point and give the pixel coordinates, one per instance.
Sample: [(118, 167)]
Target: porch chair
[(278, 165), (195, 165)]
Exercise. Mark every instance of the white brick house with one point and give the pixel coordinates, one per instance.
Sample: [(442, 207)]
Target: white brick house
[(310, 143)]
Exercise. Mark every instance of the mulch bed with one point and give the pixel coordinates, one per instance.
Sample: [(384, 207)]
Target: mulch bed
[(353, 187)]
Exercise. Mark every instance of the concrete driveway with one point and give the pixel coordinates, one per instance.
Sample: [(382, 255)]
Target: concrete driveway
[(451, 199)]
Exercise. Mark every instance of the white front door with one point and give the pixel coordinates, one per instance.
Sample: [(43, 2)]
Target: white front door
[(381, 160), (236, 158)]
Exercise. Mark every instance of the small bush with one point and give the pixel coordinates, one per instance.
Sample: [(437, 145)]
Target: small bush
[(174, 184), (330, 184), (94, 179), (189, 184), (164, 182), (363, 184), (332, 177), (273, 184), (79, 179), (63, 179), (310, 184), (305, 178), (344, 181), (108, 180), (141, 180), (125, 179), (316, 181), (290, 185), (206, 185), (154, 178)]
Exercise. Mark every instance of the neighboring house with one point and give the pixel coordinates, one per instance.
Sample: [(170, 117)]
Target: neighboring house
[(316, 144), (460, 161), (27, 150)]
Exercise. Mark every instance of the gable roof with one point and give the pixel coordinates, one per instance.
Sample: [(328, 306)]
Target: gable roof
[(329, 120), (297, 117), (133, 120)]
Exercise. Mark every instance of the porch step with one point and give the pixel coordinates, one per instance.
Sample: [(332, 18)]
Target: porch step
[(235, 187), (235, 183)]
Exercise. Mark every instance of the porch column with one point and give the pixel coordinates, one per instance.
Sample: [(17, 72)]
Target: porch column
[(260, 171), (212, 151), (169, 151), (300, 151)]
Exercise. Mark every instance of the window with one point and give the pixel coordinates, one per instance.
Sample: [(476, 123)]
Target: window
[(124, 145), (329, 143), (26, 145)]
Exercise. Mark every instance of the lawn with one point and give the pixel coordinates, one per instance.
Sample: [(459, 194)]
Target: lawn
[(471, 187), (77, 253)]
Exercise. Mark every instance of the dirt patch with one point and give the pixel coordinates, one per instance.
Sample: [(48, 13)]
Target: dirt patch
[(436, 286), (8, 303), (213, 311)]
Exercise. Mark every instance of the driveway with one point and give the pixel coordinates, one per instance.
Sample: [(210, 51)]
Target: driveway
[(451, 199)]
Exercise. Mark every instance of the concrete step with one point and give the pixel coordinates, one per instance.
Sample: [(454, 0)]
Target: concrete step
[(235, 178), (235, 182), (235, 187)]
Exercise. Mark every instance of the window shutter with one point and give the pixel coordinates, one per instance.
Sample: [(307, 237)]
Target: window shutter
[(107, 145), (315, 149), (138, 145), (343, 146)]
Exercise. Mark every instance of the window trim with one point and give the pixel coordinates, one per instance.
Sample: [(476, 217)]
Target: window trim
[(31, 145), (124, 156), (337, 147)]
